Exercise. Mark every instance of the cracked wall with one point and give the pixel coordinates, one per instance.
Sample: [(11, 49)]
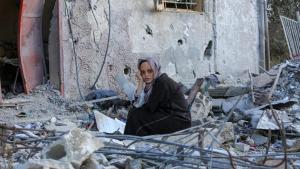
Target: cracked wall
[(184, 41), (237, 37)]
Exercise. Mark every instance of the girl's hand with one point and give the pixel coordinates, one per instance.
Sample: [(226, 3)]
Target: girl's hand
[(140, 83), (139, 77)]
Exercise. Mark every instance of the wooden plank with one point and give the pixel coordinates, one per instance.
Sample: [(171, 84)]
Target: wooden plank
[(195, 89)]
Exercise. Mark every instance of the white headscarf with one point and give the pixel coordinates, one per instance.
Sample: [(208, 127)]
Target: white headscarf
[(155, 66)]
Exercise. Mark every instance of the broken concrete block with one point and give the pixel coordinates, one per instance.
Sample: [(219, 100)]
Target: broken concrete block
[(259, 139), (44, 164), (118, 160), (267, 121), (295, 147), (290, 143), (226, 134), (263, 80), (100, 158), (242, 147), (296, 164), (201, 107), (242, 105), (91, 163), (64, 125), (228, 91), (75, 147), (295, 127), (134, 164)]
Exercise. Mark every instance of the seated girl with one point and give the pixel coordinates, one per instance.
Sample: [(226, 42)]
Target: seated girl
[(160, 106)]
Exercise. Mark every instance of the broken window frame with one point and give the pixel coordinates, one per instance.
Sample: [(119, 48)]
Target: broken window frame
[(179, 5)]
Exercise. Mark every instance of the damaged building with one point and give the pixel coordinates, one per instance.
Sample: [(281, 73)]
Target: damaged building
[(54, 53), (78, 45)]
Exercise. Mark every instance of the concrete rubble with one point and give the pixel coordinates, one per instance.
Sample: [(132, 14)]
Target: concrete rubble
[(233, 125)]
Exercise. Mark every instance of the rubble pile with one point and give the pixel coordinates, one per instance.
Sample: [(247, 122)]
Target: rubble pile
[(41, 104), (235, 125)]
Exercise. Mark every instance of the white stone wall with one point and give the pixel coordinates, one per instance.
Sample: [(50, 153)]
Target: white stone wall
[(178, 38), (237, 37)]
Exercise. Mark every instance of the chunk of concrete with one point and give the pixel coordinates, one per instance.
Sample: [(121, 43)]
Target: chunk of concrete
[(201, 107), (259, 139), (120, 162), (44, 164), (263, 80), (91, 163), (228, 91), (267, 121), (100, 158), (75, 147), (295, 147), (208, 135), (241, 105), (64, 125), (134, 164), (242, 147)]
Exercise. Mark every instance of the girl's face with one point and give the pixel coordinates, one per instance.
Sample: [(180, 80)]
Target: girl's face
[(146, 72)]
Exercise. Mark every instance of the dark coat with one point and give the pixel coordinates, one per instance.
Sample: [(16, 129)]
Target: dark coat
[(166, 110)]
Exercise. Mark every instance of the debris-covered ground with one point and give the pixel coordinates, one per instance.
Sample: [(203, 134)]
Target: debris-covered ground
[(235, 125)]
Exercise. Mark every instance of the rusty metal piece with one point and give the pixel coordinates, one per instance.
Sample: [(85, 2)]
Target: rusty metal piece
[(195, 89), (30, 43)]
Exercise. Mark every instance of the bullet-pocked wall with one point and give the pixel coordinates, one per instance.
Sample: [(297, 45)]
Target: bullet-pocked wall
[(184, 41)]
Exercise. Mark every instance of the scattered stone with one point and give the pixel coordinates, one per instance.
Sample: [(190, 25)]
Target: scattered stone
[(267, 121), (263, 80), (53, 119), (259, 139), (201, 107), (295, 147), (74, 147), (100, 158), (134, 164), (64, 125), (242, 123), (290, 143), (91, 163), (44, 164), (208, 134), (242, 147), (120, 162)]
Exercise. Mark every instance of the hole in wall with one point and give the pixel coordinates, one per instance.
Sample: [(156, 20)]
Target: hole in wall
[(127, 70), (148, 30), (180, 42), (110, 67), (208, 50), (194, 74)]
